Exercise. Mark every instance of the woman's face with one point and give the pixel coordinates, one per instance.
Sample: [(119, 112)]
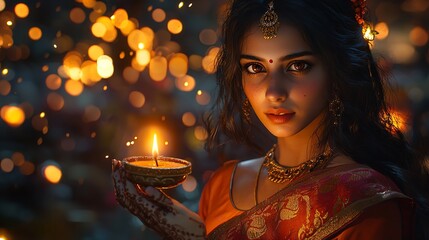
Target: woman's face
[(284, 81)]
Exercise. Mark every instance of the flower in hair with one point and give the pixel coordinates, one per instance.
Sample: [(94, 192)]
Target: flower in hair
[(361, 11)]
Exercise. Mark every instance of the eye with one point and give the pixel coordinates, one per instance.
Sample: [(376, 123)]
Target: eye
[(254, 68), (299, 66)]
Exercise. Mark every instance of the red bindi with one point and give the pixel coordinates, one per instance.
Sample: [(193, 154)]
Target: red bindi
[(271, 60)]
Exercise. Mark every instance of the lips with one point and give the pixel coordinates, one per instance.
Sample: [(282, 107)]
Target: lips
[(280, 116)]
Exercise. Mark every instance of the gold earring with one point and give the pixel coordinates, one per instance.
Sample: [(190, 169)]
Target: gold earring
[(336, 108), (246, 110), (269, 22)]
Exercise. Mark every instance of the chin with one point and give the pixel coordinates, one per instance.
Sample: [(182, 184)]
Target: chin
[(281, 133)]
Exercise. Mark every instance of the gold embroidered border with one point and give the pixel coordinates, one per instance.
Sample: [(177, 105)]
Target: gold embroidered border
[(351, 212)]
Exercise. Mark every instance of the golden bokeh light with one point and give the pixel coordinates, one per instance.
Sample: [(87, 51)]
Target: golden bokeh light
[(208, 61), (178, 65), (120, 18), (98, 29), (200, 133), (402, 53), (7, 41), (5, 87), (195, 62), (104, 28), (99, 7), (74, 73), (158, 68), (91, 114), (136, 38), (130, 75), (105, 66), (27, 168), (213, 51), (14, 116), (55, 101), (208, 37), (35, 33), (175, 26), (190, 184), (137, 99), (90, 75), (18, 158), (72, 59), (6, 165), (136, 66), (95, 51), (93, 16), (189, 119), (419, 36), (149, 36), (21, 10), (89, 3), (77, 15), (110, 35), (2, 5), (143, 57), (53, 82), (127, 27), (383, 30), (185, 83), (202, 97), (208, 64), (52, 173), (74, 88), (158, 15)]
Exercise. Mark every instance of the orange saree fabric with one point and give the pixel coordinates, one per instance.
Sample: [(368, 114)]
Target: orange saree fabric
[(345, 202), (215, 205)]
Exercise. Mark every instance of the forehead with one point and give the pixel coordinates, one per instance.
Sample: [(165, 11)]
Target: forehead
[(288, 40)]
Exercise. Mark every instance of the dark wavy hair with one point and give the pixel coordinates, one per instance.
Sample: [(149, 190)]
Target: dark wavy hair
[(366, 133)]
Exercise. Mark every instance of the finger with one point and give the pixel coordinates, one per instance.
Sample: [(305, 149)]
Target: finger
[(116, 164)]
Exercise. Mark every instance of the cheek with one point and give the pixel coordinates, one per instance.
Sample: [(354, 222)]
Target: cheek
[(314, 91)]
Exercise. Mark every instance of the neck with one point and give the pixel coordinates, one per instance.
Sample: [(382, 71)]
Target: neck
[(296, 149)]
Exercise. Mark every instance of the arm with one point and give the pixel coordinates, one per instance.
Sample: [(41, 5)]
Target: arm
[(155, 209)]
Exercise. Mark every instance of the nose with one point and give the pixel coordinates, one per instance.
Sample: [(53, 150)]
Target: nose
[(276, 91)]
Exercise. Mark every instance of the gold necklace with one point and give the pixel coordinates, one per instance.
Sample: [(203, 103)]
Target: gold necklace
[(280, 174)]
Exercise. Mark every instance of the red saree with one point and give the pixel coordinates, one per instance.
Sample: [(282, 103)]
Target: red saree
[(319, 205)]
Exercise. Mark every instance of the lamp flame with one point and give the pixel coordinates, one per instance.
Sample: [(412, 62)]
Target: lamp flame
[(155, 149)]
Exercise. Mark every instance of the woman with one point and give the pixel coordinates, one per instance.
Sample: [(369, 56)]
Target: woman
[(339, 169)]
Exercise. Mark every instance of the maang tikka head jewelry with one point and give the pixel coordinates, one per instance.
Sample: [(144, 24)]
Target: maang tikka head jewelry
[(269, 22)]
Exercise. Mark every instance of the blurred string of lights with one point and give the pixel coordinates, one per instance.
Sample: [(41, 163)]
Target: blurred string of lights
[(86, 65)]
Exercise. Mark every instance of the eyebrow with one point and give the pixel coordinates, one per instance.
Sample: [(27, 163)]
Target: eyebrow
[(284, 58)]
